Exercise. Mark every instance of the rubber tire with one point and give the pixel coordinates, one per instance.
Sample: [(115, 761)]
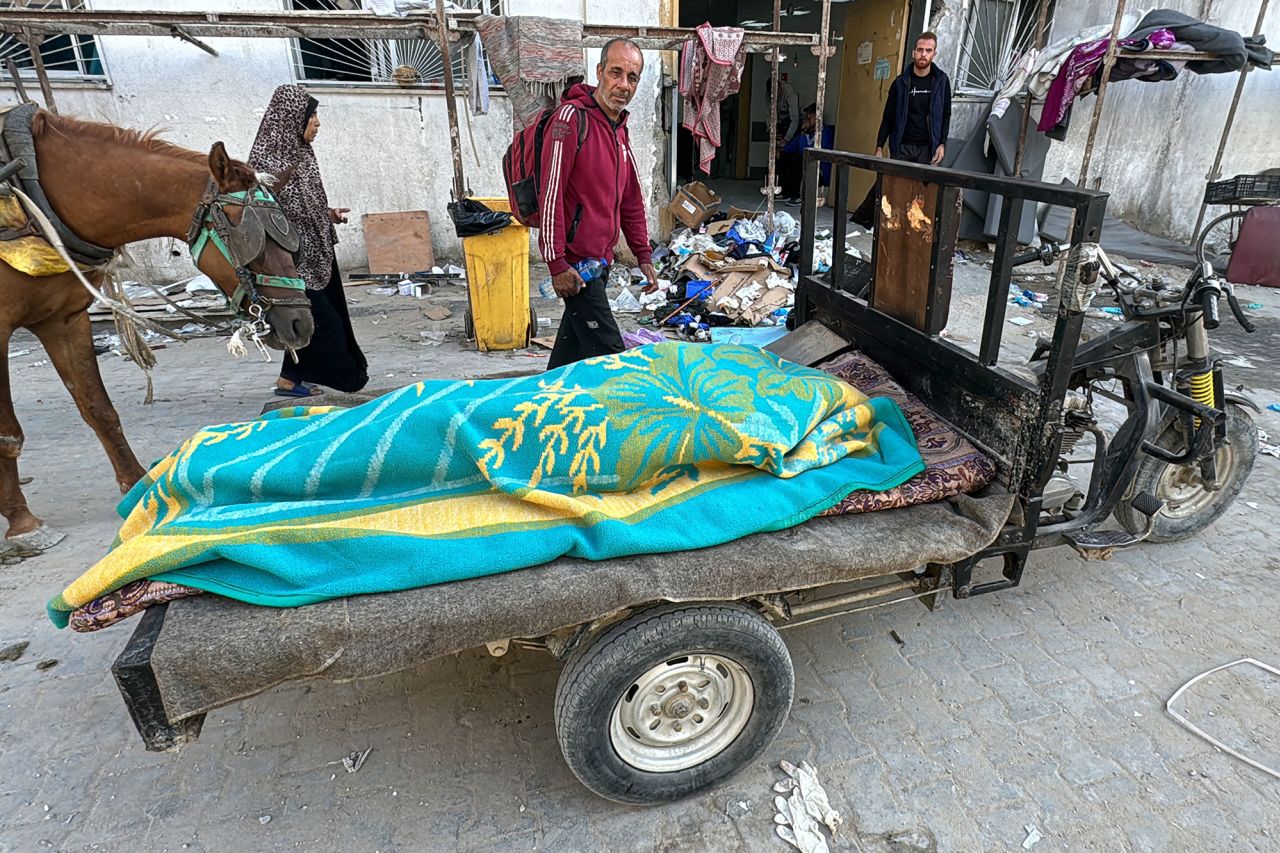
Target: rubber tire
[(1243, 434), (597, 674)]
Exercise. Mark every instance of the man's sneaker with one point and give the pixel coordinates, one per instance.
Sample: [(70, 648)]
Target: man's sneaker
[(792, 202)]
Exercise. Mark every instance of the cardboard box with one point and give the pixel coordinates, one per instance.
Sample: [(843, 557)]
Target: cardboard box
[(693, 204)]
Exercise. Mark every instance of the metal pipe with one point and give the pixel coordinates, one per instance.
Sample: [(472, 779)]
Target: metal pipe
[(782, 626), (42, 74), (1041, 22), (182, 35), (320, 24), (1108, 62), (773, 118), (853, 597), (1215, 171), (824, 51), (455, 138), (16, 76)]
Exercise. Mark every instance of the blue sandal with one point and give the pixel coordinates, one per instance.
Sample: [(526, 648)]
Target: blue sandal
[(300, 389)]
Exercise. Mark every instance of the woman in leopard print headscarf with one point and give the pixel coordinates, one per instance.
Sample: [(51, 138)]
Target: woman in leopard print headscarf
[(283, 147)]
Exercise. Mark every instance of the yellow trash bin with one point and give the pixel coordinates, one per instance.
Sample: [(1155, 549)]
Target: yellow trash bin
[(498, 283)]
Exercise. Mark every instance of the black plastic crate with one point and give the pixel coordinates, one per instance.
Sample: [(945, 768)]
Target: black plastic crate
[(1244, 189)]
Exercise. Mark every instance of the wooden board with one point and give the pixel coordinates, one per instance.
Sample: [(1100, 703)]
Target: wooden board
[(398, 242), (808, 345), (913, 254), (876, 30)]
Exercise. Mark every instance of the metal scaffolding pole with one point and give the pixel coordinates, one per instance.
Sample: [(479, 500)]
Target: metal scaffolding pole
[(773, 117), (42, 73), (1215, 171), (1108, 63), (1041, 35), (333, 24), (824, 51), (451, 105)]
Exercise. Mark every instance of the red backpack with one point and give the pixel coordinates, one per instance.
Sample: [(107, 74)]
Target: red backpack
[(522, 166)]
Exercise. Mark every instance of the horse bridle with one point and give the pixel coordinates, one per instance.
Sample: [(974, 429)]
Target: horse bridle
[(243, 243)]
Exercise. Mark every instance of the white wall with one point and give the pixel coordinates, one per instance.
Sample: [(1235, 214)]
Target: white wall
[(380, 150), (1156, 141)]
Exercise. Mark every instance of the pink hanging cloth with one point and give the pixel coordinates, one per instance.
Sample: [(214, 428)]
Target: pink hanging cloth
[(710, 71)]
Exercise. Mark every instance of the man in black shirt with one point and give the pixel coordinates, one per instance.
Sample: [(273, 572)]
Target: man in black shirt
[(917, 115)]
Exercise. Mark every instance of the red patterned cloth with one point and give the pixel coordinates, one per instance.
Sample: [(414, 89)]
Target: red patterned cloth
[(125, 602), (953, 466), (710, 71)]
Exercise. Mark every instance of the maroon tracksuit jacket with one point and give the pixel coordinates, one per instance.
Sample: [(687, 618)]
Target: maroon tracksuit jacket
[(592, 194)]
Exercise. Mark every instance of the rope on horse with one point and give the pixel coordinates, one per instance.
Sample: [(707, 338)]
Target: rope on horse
[(126, 318)]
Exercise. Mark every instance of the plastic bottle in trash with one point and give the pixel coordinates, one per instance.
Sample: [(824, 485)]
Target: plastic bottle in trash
[(589, 270)]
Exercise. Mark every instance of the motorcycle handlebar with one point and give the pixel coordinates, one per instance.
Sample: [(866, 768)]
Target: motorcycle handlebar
[(1209, 308), (1241, 318)]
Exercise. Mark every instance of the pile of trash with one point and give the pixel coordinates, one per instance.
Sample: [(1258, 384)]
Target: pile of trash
[(721, 270)]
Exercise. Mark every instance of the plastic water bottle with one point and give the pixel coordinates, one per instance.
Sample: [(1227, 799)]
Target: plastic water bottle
[(588, 270)]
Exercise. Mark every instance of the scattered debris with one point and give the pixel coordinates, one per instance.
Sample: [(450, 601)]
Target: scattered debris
[(355, 760), (1033, 836), (12, 652), (48, 663), (625, 303), (432, 337), (265, 819), (1177, 715), (802, 815), (737, 809), (437, 312), (1275, 407), (1020, 321), (1265, 446), (896, 638), (545, 343)]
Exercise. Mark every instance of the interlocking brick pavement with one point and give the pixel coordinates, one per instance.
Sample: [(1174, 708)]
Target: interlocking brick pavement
[(1038, 706)]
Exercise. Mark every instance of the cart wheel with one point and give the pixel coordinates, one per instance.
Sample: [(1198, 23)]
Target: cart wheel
[(533, 326), (1189, 506), (671, 700), (468, 326)]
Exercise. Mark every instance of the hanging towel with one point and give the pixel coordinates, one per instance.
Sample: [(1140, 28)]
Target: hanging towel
[(710, 71), (535, 58), (478, 69)]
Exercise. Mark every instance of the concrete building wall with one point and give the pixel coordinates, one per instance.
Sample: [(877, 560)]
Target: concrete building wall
[(1156, 141), (379, 149)]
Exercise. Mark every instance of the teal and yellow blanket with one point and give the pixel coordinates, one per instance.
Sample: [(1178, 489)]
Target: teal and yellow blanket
[(667, 447)]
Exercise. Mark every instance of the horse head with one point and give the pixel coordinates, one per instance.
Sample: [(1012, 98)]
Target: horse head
[(253, 265)]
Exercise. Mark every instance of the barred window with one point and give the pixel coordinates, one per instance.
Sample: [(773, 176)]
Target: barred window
[(66, 57), (376, 62), (996, 34)]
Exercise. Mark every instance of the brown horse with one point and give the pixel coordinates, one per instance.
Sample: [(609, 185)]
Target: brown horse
[(111, 187)]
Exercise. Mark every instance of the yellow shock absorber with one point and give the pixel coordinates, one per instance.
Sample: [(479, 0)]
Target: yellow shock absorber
[(1202, 390)]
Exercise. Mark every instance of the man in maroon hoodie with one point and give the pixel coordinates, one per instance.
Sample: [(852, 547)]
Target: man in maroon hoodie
[(591, 194)]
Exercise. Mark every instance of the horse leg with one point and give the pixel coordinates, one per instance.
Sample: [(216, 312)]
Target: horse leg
[(13, 504), (69, 342)]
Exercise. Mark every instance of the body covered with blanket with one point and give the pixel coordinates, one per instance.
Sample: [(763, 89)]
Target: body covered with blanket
[(666, 447)]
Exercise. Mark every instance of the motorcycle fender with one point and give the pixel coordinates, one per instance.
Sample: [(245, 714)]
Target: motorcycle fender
[(1241, 400)]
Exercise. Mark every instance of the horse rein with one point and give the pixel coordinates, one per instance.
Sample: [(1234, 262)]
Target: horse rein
[(243, 243)]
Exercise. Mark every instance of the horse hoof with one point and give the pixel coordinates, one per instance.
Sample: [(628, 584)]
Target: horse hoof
[(31, 543)]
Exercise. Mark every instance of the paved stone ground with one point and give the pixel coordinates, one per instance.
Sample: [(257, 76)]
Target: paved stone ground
[(1041, 706)]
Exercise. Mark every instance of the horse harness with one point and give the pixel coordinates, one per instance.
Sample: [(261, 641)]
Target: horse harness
[(240, 243)]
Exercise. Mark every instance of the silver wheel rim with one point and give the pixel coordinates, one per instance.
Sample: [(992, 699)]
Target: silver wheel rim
[(681, 713), (1182, 490)]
